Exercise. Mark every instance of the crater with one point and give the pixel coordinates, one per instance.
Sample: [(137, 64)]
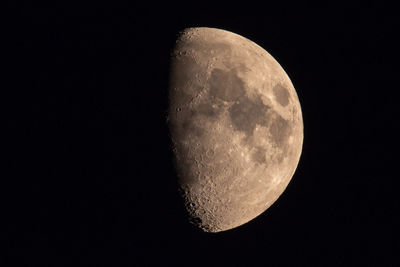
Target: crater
[(226, 85), (281, 95)]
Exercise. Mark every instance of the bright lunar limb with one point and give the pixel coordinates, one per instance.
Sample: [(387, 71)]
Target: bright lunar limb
[(236, 127)]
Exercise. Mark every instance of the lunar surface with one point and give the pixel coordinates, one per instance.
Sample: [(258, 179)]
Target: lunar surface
[(236, 127)]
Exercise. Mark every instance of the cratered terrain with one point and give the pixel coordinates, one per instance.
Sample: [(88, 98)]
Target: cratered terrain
[(236, 127)]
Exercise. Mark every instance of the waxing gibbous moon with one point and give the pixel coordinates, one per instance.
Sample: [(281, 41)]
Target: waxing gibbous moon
[(236, 127)]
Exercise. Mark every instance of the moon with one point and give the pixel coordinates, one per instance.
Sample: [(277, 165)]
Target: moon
[(236, 127)]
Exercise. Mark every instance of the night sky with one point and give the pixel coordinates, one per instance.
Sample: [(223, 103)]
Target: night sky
[(88, 175)]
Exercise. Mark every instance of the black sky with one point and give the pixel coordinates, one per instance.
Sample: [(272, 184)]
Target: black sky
[(88, 175)]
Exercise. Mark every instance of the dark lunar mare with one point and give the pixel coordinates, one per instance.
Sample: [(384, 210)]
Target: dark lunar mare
[(282, 95), (246, 113)]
